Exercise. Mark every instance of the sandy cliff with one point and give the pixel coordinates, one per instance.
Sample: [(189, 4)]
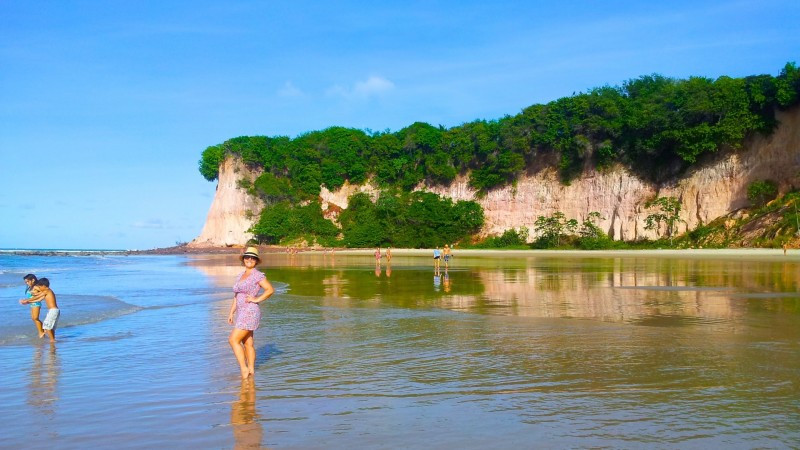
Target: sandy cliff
[(232, 211), (707, 192)]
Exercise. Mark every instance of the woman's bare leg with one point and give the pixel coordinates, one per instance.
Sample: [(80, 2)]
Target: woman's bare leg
[(235, 340), (250, 353), (35, 317)]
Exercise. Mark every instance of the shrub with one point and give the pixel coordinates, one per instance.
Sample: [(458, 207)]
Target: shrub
[(760, 192)]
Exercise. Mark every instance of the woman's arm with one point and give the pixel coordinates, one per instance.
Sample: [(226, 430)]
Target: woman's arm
[(233, 310), (268, 291)]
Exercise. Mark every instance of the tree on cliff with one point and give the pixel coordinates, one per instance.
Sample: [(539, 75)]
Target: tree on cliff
[(209, 163), (552, 230), (668, 213)]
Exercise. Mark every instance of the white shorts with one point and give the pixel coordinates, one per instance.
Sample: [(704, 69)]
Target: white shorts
[(51, 320)]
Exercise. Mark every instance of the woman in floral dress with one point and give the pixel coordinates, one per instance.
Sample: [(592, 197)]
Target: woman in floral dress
[(246, 310)]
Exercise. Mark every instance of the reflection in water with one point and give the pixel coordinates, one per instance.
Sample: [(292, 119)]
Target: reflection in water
[(222, 272), (377, 362), (642, 290), (247, 429), (43, 385), (627, 290)]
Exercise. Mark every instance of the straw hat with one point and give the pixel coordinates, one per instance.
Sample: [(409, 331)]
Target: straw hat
[(251, 251)]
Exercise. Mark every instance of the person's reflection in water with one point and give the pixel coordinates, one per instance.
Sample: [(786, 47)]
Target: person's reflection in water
[(437, 279), (446, 281), (43, 385), (388, 269), (377, 270), (247, 430)]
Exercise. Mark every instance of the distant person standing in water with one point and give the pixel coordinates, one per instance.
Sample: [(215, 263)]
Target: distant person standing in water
[(388, 254), (246, 310), (35, 306), (377, 255), (446, 253), (437, 255)]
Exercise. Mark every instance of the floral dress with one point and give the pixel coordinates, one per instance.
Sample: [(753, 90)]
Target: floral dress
[(248, 315)]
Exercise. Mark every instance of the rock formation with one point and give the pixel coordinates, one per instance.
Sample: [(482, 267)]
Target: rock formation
[(710, 190), (233, 210)]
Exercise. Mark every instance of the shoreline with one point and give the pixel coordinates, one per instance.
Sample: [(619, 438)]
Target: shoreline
[(186, 250)]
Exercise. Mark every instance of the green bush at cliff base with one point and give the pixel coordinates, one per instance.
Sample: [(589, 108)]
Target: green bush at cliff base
[(510, 239), (283, 222), (424, 220), (410, 220), (761, 191), (598, 243)]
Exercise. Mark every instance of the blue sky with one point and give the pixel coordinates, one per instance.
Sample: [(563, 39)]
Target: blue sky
[(106, 106)]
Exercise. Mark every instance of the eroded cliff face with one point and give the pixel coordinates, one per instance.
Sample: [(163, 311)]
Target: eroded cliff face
[(706, 193), (233, 211)]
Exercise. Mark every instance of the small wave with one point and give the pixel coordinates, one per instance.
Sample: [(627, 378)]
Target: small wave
[(111, 338), (16, 335)]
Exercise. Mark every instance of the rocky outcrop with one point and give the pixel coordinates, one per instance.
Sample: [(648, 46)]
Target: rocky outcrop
[(233, 210), (709, 191)]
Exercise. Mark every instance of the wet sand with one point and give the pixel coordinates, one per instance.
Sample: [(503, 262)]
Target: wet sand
[(516, 353)]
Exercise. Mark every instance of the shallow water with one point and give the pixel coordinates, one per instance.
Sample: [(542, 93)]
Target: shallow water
[(503, 352)]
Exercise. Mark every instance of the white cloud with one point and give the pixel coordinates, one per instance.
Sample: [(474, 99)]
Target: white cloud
[(156, 224), (373, 86), (290, 90)]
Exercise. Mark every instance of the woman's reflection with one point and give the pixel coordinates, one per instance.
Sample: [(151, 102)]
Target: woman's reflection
[(247, 430)]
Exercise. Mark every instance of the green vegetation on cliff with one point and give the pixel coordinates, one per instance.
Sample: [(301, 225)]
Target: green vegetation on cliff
[(768, 225), (654, 125)]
